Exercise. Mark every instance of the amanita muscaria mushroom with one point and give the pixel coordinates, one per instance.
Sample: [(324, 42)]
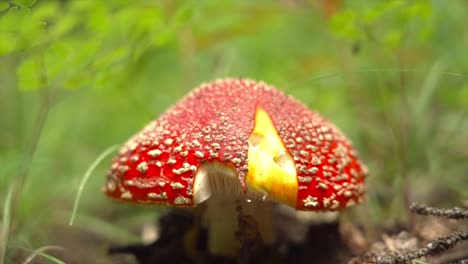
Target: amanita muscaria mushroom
[(241, 140)]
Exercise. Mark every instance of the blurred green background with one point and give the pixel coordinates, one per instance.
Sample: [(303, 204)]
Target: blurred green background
[(79, 76)]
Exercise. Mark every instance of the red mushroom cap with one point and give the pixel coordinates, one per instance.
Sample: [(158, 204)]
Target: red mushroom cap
[(218, 122)]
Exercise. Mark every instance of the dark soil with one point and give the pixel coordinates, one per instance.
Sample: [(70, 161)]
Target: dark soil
[(323, 244), (181, 241)]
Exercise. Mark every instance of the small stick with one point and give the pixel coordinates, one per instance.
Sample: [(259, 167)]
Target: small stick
[(423, 209), (432, 248)]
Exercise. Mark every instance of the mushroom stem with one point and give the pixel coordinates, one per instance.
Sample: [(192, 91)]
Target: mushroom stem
[(222, 220), (219, 189)]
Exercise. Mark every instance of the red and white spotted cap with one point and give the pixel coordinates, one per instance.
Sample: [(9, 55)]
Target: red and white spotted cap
[(273, 145)]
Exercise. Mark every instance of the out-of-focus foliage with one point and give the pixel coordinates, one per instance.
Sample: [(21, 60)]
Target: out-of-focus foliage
[(109, 37), (386, 22), (79, 76)]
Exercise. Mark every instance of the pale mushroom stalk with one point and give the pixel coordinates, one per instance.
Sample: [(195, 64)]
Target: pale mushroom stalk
[(234, 140), (218, 187)]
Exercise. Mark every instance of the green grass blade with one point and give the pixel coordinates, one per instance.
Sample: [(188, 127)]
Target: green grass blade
[(41, 252), (51, 258), (429, 87), (5, 228), (85, 178)]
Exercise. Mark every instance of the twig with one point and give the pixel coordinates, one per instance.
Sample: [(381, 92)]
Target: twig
[(423, 209), (434, 247)]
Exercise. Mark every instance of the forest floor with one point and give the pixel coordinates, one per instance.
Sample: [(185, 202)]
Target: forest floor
[(439, 236)]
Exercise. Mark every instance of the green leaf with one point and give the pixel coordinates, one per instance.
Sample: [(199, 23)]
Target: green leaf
[(77, 81), (9, 20), (45, 11), (24, 3), (8, 43), (20, 24), (31, 30), (98, 19), (81, 6), (64, 25), (87, 51), (25, 11), (393, 38), (371, 15), (149, 20), (139, 50), (393, 4), (344, 25), (29, 74), (13, 11), (110, 58), (183, 15), (57, 59), (163, 37), (4, 6)]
